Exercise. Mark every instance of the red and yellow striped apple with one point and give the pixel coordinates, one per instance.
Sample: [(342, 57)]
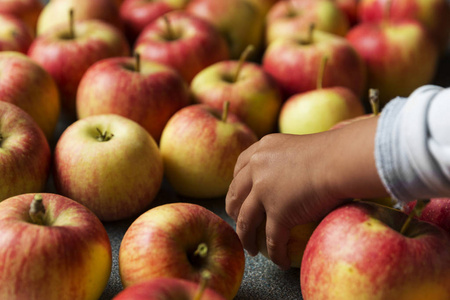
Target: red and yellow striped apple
[(26, 10), (15, 35)]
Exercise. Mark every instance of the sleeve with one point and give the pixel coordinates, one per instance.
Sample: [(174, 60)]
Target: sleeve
[(412, 145)]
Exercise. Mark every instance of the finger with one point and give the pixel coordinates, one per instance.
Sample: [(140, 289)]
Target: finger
[(239, 189), (277, 237), (244, 159), (251, 216)]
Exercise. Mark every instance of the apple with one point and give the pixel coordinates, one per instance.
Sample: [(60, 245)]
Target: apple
[(166, 289), (66, 52), (55, 13), (182, 240), (359, 252), (241, 22), (51, 247), (264, 5), (434, 15), (200, 146), (24, 83), (146, 92), (399, 56), (437, 212), (289, 18), (295, 63), (26, 10), (350, 9), (15, 35), (136, 14), (253, 94), (182, 41), (108, 163), (24, 153)]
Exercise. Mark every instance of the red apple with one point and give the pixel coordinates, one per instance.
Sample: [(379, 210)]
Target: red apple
[(295, 63), (434, 15), (288, 18), (146, 92), (359, 252), (182, 41), (253, 94), (350, 9), (51, 248), (110, 164), (399, 56), (15, 35), (24, 83), (241, 22), (66, 52), (182, 240), (200, 147), (166, 289), (437, 211), (26, 10), (24, 153), (136, 14)]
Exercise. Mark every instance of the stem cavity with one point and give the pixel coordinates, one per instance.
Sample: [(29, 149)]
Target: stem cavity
[(416, 211), (242, 59), (103, 136), (37, 210)]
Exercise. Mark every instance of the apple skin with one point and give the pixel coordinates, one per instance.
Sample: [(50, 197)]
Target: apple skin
[(149, 96), (434, 15), (24, 153), (116, 178), (230, 18), (318, 110), (26, 84), (350, 8), (437, 212), (295, 63), (289, 18), (166, 289), (254, 97), (26, 10), (69, 257), (161, 243), (200, 150), (56, 13), (391, 50), (196, 45), (136, 14), (357, 252), (56, 53), (15, 35)]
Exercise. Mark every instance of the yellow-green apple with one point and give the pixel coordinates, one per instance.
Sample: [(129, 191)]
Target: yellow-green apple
[(288, 18), (241, 22), (200, 146), (359, 252), (15, 35), (26, 10), (146, 92), (136, 14), (434, 15), (108, 163), (51, 247), (253, 94), (399, 56), (182, 41), (437, 211), (295, 63), (182, 240), (66, 52), (55, 13), (24, 83), (165, 288), (24, 153)]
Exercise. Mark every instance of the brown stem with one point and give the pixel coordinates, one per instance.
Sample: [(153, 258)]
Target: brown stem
[(416, 211), (290, 9), (226, 107), (242, 59), (206, 276), (170, 33), (310, 37), (37, 210), (323, 64), (103, 136), (137, 58), (374, 101), (71, 24)]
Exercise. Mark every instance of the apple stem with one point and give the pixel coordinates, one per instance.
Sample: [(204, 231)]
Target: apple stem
[(323, 64), (206, 276), (37, 210), (169, 28), (1, 139), (202, 250), (374, 101), (416, 211), (242, 59), (309, 39), (137, 57), (226, 108), (103, 136), (290, 8), (71, 24)]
